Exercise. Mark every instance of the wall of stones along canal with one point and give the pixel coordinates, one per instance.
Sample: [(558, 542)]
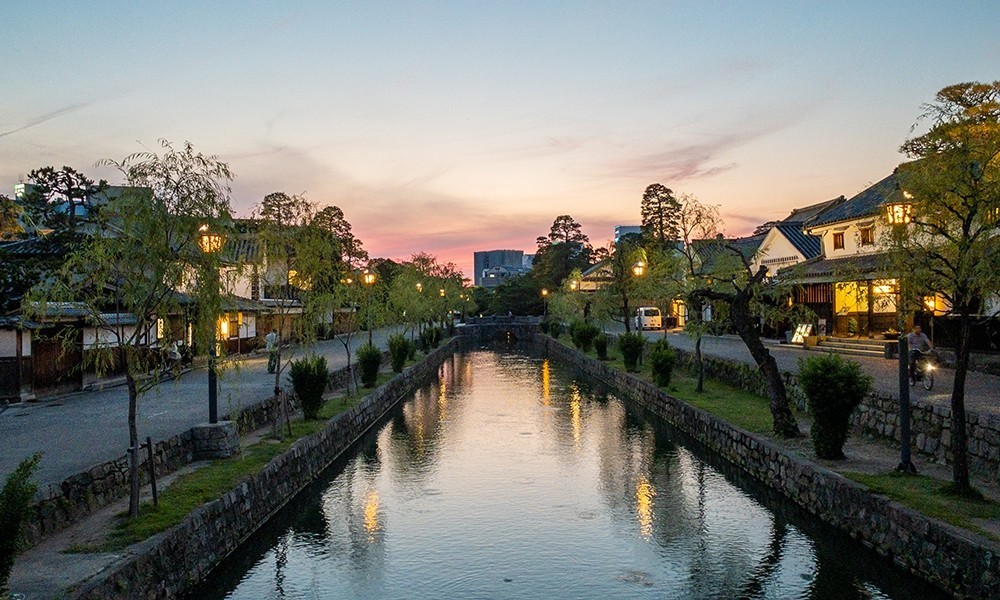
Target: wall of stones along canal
[(961, 563), (176, 560)]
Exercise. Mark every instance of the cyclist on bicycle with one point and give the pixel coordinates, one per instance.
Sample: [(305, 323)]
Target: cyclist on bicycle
[(919, 344)]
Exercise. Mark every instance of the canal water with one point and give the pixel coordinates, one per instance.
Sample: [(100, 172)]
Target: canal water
[(512, 478)]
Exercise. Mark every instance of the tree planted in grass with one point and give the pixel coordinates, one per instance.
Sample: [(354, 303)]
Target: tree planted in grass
[(834, 387), (601, 345), (661, 361), (369, 360), (583, 335), (15, 500), (310, 377), (631, 346), (399, 350)]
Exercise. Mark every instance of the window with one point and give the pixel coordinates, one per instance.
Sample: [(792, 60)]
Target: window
[(868, 236), (838, 241)]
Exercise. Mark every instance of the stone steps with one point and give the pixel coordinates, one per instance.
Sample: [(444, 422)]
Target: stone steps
[(852, 347)]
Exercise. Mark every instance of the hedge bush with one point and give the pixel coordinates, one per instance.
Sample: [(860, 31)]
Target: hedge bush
[(369, 360), (309, 377), (631, 346), (399, 351), (834, 387), (15, 503), (555, 329), (582, 334), (662, 359), (601, 345)]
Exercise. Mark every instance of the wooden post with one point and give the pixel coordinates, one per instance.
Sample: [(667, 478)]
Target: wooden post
[(152, 470)]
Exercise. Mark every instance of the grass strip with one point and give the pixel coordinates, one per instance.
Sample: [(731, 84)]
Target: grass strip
[(931, 497)]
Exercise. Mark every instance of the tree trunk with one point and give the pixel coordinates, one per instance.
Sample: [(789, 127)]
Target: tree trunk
[(701, 366), (781, 413), (625, 318), (133, 441), (959, 440)]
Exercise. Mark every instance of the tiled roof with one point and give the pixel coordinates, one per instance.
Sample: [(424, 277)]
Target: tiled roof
[(711, 249), (808, 245), (866, 203), (825, 270)]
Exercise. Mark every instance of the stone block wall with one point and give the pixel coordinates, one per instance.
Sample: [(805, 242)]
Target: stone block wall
[(965, 565), (182, 556)]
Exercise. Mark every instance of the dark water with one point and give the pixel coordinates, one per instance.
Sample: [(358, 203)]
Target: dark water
[(509, 478)]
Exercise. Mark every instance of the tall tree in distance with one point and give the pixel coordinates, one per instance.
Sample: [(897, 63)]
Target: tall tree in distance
[(352, 252), (56, 196), (564, 249), (659, 212), (946, 239), (9, 227)]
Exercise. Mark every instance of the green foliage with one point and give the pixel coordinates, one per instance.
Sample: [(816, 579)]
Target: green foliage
[(15, 500), (601, 345), (582, 334), (661, 361), (834, 387), (369, 361), (310, 377), (555, 329), (544, 326), (399, 351), (631, 346), (660, 212)]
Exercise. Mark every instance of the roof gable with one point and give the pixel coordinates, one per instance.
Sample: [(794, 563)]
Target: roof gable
[(866, 203)]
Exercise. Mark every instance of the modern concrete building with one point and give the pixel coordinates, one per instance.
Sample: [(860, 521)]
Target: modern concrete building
[(622, 230), (488, 259)]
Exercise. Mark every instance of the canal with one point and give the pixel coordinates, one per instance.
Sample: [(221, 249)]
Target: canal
[(512, 478)]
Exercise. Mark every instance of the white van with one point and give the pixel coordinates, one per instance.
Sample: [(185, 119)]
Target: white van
[(648, 317)]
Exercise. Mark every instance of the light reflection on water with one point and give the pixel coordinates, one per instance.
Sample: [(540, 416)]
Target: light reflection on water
[(508, 478)]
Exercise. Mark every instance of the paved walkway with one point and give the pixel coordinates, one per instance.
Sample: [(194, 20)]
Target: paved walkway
[(982, 391), (79, 430)]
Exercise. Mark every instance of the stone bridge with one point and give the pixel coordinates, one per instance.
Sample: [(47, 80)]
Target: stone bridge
[(485, 329)]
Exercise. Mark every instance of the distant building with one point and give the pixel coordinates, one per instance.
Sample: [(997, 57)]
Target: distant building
[(488, 259), (528, 261), (495, 276), (623, 230)]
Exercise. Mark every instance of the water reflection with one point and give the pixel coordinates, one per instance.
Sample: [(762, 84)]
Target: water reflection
[(507, 477)]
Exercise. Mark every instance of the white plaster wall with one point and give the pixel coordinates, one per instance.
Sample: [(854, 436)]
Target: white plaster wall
[(776, 245), (8, 343)]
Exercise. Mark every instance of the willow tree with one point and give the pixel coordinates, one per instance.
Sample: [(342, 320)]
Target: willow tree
[(945, 237), (147, 244)]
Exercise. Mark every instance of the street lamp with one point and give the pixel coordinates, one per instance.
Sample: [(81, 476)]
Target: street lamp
[(443, 305), (545, 303), (639, 269), (210, 243), (368, 279)]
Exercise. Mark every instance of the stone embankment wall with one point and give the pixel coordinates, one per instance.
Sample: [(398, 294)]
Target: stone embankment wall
[(59, 505), (965, 565), (179, 558), (878, 414)]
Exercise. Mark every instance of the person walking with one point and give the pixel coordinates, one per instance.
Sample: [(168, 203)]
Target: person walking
[(271, 345)]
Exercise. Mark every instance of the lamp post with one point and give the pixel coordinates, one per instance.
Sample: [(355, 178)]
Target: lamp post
[(420, 317), (368, 279), (443, 305), (211, 243), (545, 303)]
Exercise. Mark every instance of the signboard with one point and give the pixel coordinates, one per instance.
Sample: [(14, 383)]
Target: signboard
[(821, 328), (801, 331)]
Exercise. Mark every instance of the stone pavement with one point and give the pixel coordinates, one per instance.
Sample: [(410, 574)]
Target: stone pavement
[(982, 391), (79, 430)]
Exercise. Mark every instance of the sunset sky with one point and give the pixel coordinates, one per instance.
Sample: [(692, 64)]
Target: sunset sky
[(450, 127)]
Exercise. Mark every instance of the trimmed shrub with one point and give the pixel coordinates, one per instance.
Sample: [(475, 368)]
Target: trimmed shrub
[(555, 329), (834, 387), (411, 350), (631, 346), (601, 345), (309, 377), (369, 360), (662, 359), (399, 349), (424, 341), (544, 326), (15, 503), (583, 334)]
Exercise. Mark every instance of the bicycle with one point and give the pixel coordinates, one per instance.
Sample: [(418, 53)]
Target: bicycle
[(924, 366)]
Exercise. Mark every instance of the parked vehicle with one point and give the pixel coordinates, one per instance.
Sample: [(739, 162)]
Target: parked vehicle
[(648, 317), (924, 366)]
